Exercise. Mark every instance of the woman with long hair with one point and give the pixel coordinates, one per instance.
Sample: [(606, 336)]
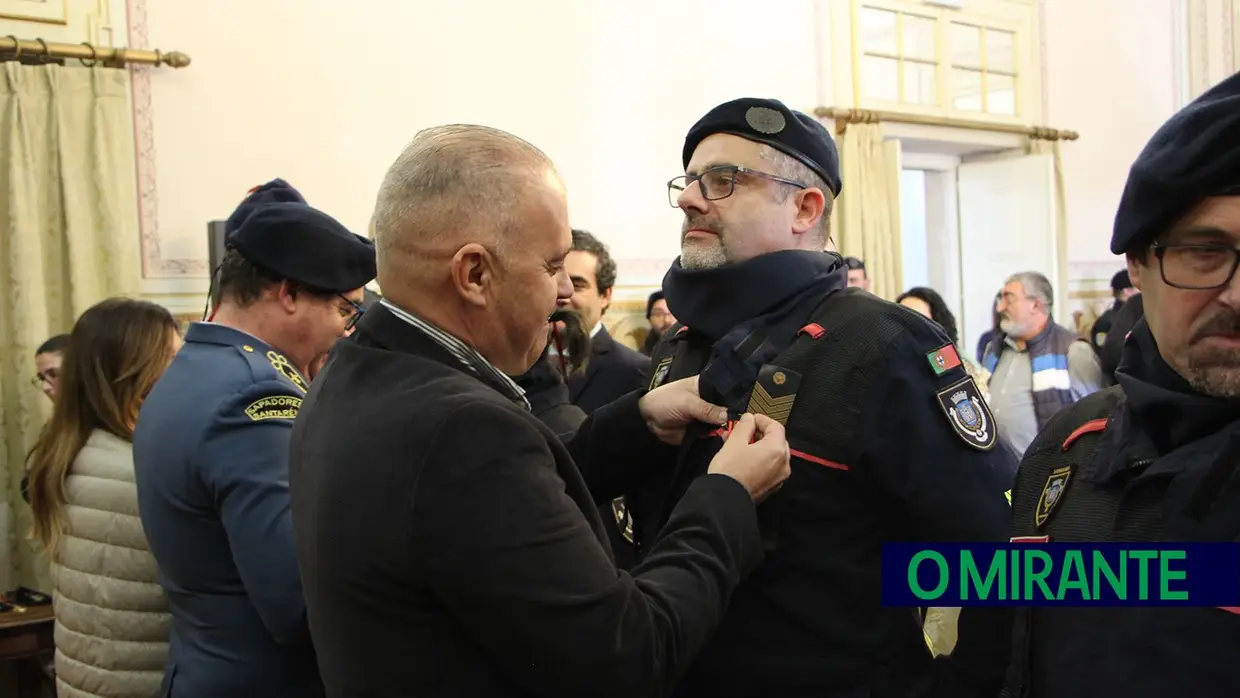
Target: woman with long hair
[(112, 623), (929, 303)]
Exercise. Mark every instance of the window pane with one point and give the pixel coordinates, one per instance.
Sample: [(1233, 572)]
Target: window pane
[(880, 78), (920, 86), (1000, 51), (966, 90), (878, 31), (966, 45), (1000, 94), (919, 38)]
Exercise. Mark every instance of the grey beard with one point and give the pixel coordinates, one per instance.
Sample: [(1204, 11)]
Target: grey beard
[(1214, 375), (703, 257)]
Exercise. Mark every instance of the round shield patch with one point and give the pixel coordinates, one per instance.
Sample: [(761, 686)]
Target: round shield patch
[(765, 120)]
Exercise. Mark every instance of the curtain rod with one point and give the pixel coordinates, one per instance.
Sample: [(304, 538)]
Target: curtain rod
[(843, 117), (13, 48)]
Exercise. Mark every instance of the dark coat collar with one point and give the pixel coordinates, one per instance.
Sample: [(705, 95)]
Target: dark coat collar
[(382, 329)]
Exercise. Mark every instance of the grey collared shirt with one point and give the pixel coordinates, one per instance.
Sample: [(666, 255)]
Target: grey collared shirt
[(468, 356)]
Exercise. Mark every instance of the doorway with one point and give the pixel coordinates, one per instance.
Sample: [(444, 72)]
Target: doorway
[(971, 217)]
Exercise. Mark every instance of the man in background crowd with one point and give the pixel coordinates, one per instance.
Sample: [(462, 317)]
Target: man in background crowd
[(47, 360), (1121, 326), (1121, 290), (1037, 366), (660, 319), (211, 453), (613, 369), (857, 278)]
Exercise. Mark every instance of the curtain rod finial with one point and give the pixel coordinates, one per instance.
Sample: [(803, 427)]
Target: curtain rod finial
[(176, 59)]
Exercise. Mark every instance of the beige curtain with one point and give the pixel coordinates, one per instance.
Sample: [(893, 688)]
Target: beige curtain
[(68, 208), (867, 219), (1038, 146)]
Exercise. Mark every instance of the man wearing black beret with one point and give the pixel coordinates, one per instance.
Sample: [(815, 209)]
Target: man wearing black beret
[(1121, 289), (1153, 458), (211, 449), (769, 325)]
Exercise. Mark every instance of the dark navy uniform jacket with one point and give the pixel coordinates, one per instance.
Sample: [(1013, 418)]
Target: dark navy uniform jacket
[(211, 462)]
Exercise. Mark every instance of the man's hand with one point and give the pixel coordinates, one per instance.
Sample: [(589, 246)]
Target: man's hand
[(669, 408), (755, 454)]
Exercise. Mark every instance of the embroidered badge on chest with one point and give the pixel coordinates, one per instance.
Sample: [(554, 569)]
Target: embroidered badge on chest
[(281, 364), (660, 373), (774, 393), (968, 414), (1052, 494)]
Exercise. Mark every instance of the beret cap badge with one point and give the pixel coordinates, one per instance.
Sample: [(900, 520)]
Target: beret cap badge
[(765, 120)]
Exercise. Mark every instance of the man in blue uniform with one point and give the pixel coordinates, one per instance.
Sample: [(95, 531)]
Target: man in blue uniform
[(211, 452), (891, 438), (1155, 457)]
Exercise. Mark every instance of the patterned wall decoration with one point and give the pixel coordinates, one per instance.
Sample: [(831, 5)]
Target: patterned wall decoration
[(154, 264)]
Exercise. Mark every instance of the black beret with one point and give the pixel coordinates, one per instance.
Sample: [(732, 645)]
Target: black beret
[(769, 121), (1120, 281), (303, 244), (1195, 155), (654, 298), (276, 190)]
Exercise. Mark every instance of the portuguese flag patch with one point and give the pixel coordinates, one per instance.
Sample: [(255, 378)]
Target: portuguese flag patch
[(943, 359)]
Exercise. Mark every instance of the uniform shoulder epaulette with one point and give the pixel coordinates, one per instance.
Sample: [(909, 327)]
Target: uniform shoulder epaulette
[(269, 364), (1088, 410)]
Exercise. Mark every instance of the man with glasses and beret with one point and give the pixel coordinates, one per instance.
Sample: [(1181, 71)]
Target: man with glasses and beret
[(1155, 457), (891, 438), (211, 451)]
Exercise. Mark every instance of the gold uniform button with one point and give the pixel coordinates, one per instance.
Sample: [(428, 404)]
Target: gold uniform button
[(247, 347)]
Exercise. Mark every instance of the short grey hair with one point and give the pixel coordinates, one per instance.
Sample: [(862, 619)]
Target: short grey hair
[(788, 167), (451, 179), (1036, 286)]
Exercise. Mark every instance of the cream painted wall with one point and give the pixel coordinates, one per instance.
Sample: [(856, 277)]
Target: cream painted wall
[(326, 94), (1117, 87), (1110, 74)]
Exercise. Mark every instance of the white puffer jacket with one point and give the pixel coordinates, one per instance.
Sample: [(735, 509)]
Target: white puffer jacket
[(112, 621)]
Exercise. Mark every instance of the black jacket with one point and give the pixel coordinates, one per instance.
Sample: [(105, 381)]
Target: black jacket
[(450, 546), (549, 401), (1121, 324), (1120, 488), (876, 459), (613, 370)]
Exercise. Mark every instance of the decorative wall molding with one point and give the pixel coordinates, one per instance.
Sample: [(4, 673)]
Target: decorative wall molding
[(50, 12), (1211, 42), (154, 264), (637, 277), (1228, 40), (1181, 75)]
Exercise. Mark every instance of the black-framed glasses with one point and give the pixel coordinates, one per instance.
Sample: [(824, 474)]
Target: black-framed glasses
[(51, 375), (1197, 267), (719, 182), (354, 314)]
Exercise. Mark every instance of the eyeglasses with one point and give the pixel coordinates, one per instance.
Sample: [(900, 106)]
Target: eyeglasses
[(51, 375), (353, 313), (718, 182), (1196, 267)]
